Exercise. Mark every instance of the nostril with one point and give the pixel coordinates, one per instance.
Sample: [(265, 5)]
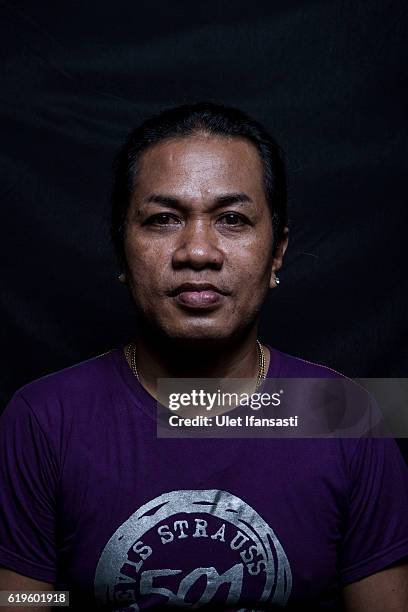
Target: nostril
[(197, 254)]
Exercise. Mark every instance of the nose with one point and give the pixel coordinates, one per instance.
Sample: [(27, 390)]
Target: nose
[(197, 246)]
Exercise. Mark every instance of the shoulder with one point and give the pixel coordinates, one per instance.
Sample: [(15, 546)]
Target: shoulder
[(330, 405), (69, 389), (78, 377), (288, 366), (54, 412)]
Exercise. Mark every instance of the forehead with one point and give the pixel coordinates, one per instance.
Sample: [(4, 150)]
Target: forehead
[(201, 162)]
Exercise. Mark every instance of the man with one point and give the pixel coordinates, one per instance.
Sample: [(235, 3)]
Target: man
[(105, 509)]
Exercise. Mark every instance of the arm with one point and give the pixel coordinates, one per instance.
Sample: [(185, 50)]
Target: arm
[(11, 581), (374, 551), (385, 590), (28, 484)]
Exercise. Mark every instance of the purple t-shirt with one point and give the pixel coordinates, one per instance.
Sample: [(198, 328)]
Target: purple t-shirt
[(94, 502)]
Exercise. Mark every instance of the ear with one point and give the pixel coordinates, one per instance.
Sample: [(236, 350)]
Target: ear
[(278, 257)]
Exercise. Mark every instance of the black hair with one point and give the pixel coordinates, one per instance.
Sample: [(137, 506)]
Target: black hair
[(183, 121)]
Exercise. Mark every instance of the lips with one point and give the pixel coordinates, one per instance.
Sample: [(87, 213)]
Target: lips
[(198, 295)]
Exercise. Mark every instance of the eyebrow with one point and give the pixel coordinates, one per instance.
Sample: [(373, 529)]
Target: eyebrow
[(225, 199)]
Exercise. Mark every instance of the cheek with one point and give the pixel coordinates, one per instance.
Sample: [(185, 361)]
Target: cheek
[(141, 272), (250, 265), (144, 257)]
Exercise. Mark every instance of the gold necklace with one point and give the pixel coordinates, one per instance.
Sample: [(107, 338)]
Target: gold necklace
[(130, 352)]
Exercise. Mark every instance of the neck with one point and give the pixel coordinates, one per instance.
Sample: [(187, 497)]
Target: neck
[(163, 357)]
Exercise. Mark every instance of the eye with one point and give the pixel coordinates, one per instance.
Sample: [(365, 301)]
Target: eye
[(232, 219), (162, 219)]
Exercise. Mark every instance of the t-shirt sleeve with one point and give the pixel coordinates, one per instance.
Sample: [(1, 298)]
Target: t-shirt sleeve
[(376, 532), (28, 482)]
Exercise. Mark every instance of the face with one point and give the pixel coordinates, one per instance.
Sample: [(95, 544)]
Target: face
[(198, 238)]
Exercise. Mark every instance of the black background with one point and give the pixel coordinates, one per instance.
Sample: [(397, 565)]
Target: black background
[(327, 78)]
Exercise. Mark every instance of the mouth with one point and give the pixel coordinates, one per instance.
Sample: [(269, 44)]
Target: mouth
[(198, 295)]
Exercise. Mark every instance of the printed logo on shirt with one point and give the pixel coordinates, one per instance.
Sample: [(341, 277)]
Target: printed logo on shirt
[(191, 548)]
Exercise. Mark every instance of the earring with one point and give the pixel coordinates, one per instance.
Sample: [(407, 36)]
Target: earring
[(277, 281), (122, 277)]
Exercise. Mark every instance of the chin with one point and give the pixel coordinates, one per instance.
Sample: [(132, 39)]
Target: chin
[(199, 329), (198, 333), (202, 334)]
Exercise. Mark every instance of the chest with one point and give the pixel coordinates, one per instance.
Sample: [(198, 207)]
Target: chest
[(172, 522)]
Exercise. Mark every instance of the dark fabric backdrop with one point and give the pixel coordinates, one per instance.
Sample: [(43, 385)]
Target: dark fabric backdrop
[(328, 78)]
